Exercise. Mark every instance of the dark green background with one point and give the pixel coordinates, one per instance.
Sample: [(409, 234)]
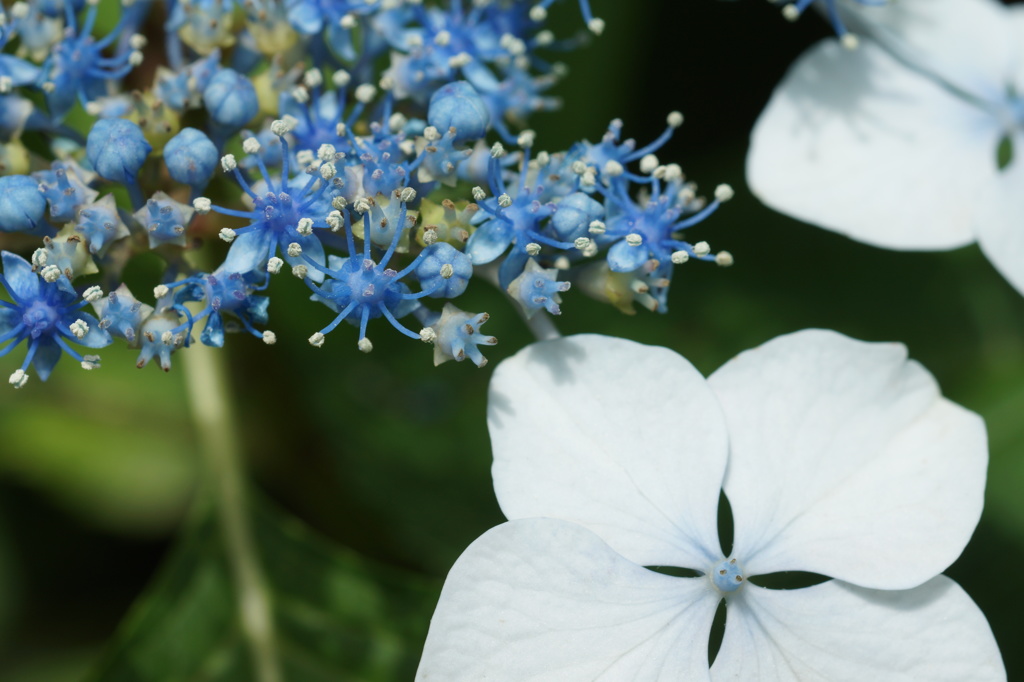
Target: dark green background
[(388, 456)]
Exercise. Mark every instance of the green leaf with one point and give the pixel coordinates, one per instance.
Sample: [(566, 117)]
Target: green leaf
[(339, 617)]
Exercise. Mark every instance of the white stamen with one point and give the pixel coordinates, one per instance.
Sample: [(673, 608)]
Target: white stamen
[(597, 227), (428, 335), (93, 294), (675, 119), (90, 362), (581, 243), (634, 239), (447, 271), (79, 328), (300, 271), (251, 145), (649, 163), (269, 338), (294, 250), (680, 257), (228, 163), (365, 345), (724, 258), (533, 248), (701, 248), (202, 205), (724, 193), (274, 265), (227, 234), (18, 379), (479, 194), (160, 290), (365, 93), (317, 340), (51, 273)]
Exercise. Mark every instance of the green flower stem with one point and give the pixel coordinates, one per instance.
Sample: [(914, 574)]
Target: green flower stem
[(216, 425)]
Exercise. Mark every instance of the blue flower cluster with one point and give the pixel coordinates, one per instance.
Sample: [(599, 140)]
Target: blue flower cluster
[(375, 149)]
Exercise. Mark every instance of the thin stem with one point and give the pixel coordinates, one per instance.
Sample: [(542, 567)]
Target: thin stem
[(212, 413)]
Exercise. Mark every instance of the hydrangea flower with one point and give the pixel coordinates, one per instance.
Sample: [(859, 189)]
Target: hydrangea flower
[(46, 317), (838, 457), (911, 142)]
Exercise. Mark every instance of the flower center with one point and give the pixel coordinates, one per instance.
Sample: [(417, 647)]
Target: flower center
[(727, 576), (39, 318)]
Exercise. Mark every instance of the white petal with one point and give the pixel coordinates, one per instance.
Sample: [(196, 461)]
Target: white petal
[(855, 142), (540, 599), (622, 438), (966, 43), (846, 461), (836, 632), (1001, 220)]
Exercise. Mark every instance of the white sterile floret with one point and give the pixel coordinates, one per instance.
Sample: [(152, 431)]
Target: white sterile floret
[(724, 258), (724, 193), (304, 226), (365, 93), (79, 328), (294, 250), (675, 119), (51, 273), (202, 205), (317, 340), (532, 249), (251, 145), (479, 194), (228, 163), (504, 200), (269, 338), (596, 227), (817, 441), (90, 362), (18, 378), (227, 234), (274, 265), (649, 163), (701, 248), (428, 335), (634, 239), (39, 257), (160, 290), (364, 345), (596, 26), (680, 257), (93, 294)]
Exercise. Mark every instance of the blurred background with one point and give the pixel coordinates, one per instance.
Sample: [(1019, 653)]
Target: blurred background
[(385, 459)]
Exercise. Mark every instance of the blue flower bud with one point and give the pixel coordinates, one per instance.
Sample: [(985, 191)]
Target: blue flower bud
[(457, 105), (22, 205), (444, 270), (230, 99), (191, 158), (117, 148), (574, 214)]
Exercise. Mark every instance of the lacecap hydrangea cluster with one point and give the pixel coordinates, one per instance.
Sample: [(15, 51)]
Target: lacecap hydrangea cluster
[(375, 149)]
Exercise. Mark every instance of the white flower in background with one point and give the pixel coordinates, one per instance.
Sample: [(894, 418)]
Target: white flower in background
[(898, 143), (838, 457)]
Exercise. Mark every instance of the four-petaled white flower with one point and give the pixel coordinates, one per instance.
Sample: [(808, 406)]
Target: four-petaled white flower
[(897, 143), (838, 457)]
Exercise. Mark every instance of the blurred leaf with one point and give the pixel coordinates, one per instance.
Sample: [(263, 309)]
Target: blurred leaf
[(338, 616), (112, 446)]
